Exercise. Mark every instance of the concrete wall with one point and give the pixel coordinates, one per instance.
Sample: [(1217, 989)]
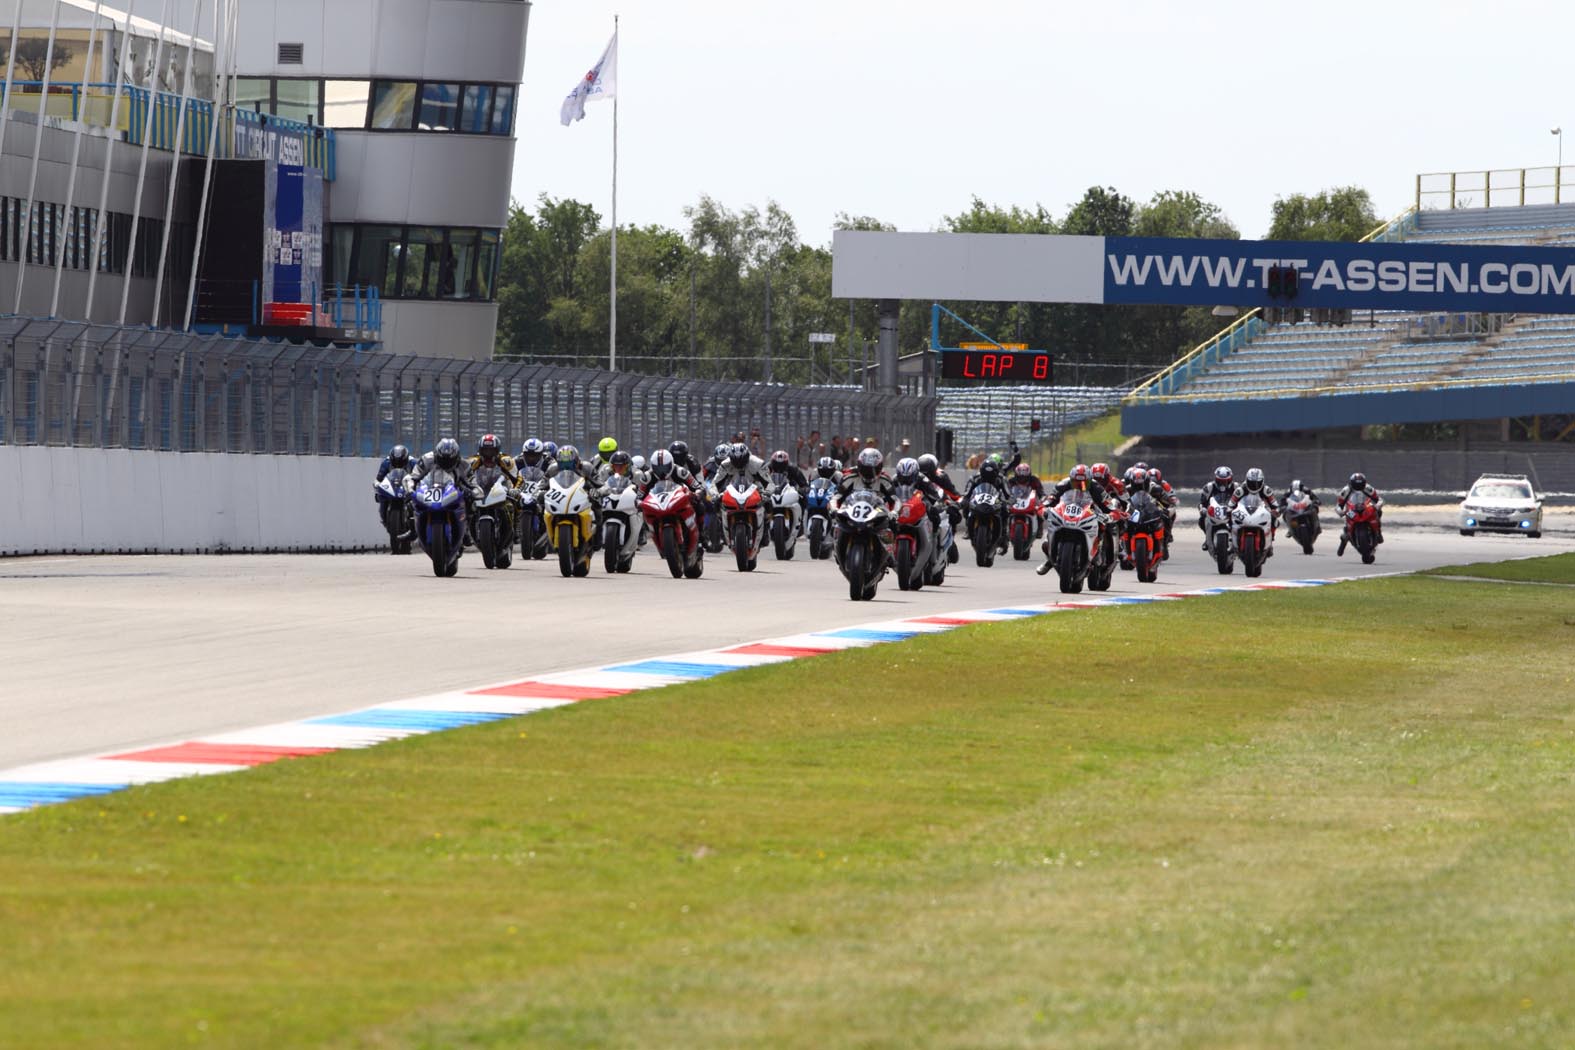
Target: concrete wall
[(90, 500)]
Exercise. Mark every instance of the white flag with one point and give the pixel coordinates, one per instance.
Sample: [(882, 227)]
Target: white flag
[(601, 82)]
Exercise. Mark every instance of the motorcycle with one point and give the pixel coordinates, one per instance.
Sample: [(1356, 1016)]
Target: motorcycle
[(1217, 534), (440, 521), (1024, 520), (1077, 544), (1252, 531), (1145, 536), (493, 525), (393, 508), (817, 508), (532, 526), (985, 511), (1301, 516), (569, 519), (713, 529), (863, 543), (913, 549), (943, 550), (786, 514), (669, 512), (745, 511), (621, 523), (1361, 525)]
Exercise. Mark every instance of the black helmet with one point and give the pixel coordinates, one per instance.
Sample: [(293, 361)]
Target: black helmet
[(399, 456), (489, 448), (928, 465), (826, 467), (779, 460), (446, 454), (1254, 479), (620, 462), (680, 450), (870, 461), (738, 455), (989, 469), (1358, 482)]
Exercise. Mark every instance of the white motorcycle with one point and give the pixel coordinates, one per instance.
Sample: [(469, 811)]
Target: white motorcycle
[(786, 515), (622, 523), (1217, 534), (493, 523), (1075, 544), (1252, 531), (942, 551)]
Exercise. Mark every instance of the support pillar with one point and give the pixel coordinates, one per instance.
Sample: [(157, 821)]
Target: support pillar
[(886, 351)]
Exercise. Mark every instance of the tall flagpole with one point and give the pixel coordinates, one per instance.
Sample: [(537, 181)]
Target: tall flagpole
[(612, 296)]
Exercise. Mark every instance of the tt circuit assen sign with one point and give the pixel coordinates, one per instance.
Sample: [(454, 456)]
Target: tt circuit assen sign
[(1160, 271)]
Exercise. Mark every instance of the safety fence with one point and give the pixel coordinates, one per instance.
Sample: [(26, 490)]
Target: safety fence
[(70, 384)]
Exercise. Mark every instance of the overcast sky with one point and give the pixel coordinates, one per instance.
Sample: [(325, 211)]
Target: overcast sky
[(904, 111)]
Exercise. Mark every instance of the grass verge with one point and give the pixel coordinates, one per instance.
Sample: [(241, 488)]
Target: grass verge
[(1557, 568), (1323, 818)]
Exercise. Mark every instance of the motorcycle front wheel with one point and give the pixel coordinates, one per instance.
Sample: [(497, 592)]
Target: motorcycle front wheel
[(566, 564), (741, 546)]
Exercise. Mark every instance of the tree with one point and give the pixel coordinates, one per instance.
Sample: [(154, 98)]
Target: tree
[(34, 56), (1161, 333), (1343, 214), (540, 267)]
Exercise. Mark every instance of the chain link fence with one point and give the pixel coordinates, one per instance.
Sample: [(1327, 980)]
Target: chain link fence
[(73, 384)]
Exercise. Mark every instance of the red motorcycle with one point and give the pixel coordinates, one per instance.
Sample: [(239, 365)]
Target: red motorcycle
[(669, 512), (1361, 526), (1144, 536), (915, 541), (1024, 520), (745, 510)]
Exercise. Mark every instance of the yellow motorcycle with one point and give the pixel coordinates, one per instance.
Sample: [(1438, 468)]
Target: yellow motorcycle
[(566, 508)]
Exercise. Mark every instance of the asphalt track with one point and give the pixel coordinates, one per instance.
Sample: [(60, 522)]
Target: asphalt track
[(109, 653)]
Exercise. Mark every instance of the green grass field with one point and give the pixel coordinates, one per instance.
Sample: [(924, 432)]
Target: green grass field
[(1558, 568), (1338, 817)]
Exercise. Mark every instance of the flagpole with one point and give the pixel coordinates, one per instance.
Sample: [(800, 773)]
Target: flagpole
[(612, 297)]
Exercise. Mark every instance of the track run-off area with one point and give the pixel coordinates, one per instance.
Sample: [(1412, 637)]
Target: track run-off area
[(108, 653)]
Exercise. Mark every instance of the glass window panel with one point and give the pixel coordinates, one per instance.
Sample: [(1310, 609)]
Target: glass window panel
[(393, 104), (477, 117), (254, 94), (459, 262), (439, 107), (486, 264), (341, 240), (297, 100), (423, 258), (377, 256), (503, 110), (344, 103)]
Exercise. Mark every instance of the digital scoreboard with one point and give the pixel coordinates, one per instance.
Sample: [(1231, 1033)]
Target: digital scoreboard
[(1011, 362)]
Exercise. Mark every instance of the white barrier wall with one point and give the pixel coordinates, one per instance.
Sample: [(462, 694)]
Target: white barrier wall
[(95, 500)]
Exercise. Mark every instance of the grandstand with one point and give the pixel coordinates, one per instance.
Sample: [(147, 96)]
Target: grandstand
[(984, 418)]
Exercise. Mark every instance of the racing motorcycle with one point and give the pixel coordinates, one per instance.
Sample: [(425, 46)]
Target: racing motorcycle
[(532, 526), (913, 548), (1145, 535), (1301, 516), (621, 523), (1077, 544), (440, 520), (786, 511), (393, 507), (985, 510), (1024, 520), (493, 525), (713, 528), (669, 512), (863, 542), (817, 508), (943, 550), (1217, 534), (568, 517), (745, 510), (1252, 530), (1361, 523)]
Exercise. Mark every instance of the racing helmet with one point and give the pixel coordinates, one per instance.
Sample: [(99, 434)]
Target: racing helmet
[(826, 467), (1141, 465), (532, 452), (1100, 472), (568, 457), (1224, 476), (638, 462), (1358, 482), (907, 470), (606, 447), (779, 460), (928, 464), (549, 449), (489, 448), (1254, 479), (680, 450), (996, 458), (1138, 479), (720, 452), (1155, 476), (399, 456), (1296, 485), (869, 463), (620, 462), (662, 464), (446, 454), (1079, 476), (738, 455), (990, 469), (1023, 471)]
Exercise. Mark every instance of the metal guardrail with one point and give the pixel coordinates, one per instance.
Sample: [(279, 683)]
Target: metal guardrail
[(66, 383), (1565, 374)]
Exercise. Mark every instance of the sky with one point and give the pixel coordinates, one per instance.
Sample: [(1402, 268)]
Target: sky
[(906, 111)]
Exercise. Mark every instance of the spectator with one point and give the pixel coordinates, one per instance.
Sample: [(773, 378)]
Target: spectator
[(837, 450), (903, 450), (757, 444)]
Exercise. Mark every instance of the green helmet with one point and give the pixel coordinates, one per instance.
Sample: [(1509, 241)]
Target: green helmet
[(607, 446), (997, 459)]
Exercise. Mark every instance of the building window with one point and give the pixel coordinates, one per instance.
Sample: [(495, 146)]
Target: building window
[(393, 104), (344, 103), (439, 107), (375, 262), (456, 282), (296, 100), (503, 110), (477, 117), (254, 94), (415, 262), (487, 265)]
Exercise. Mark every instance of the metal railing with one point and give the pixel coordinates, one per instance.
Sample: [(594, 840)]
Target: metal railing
[(1551, 374), (93, 103), (1452, 326), (66, 383), (1493, 188)]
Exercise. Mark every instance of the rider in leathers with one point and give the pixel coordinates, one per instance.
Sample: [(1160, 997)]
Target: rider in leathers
[(740, 463), (1358, 483), (866, 476), (1312, 497), (1222, 487)]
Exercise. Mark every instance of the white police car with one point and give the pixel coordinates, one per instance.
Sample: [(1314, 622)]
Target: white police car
[(1501, 503)]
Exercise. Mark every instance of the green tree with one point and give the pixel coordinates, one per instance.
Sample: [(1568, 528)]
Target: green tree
[(538, 276), (34, 56), (1161, 333), (1343, 214)]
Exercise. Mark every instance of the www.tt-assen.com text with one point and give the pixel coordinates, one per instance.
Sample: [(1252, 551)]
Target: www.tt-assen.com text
[(1350, 275)]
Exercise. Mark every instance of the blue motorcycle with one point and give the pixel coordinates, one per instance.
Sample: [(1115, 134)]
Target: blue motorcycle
[(393, 508), (440, 521), (817, 517)]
